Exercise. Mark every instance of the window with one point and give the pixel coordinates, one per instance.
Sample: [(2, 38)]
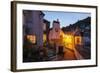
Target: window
[(32, 38)]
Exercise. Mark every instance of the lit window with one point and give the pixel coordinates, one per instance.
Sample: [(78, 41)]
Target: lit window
[(31, 38), (44, 38), (78, 40)]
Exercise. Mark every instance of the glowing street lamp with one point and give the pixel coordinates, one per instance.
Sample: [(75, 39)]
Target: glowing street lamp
[(68, 41)]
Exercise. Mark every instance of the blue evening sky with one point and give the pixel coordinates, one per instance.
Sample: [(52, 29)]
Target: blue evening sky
[(65, 18)]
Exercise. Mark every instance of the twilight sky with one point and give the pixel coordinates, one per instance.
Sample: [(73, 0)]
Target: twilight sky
[(65, 18)]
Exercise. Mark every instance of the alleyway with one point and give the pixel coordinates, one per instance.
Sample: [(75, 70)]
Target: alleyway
[(69, 54)]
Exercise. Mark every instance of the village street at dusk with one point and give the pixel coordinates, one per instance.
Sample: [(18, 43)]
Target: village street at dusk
[(56, 36)]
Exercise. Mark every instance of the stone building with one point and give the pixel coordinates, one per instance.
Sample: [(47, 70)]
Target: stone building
[(46, 29), (33, 25)]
